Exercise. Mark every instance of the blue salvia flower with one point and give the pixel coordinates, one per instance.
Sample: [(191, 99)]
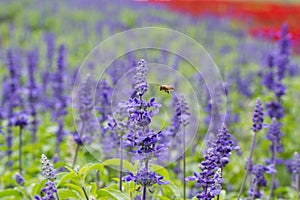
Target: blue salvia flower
[(49, 190), (86, 105), (182, 110), (33, 91), (274, 135), (50, 43), (257, 125), (50, 174), (20, 120), (12, 102), (103, 100), (59, 103), (19, 179), (275, 110), (58, 84), (145, 177), (216, 158), (47, 168), (210, 178), (141, 85), (257, 181), (224, 146), (142, 140), (293, 167), (258, 116)]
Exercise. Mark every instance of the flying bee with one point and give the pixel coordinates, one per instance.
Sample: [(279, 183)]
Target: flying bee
[(166, 88)]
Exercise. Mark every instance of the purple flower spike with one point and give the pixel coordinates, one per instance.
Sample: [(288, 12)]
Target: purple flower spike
[(258, 116), (20, 180)]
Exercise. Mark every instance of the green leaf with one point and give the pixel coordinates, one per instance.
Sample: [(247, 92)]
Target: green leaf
[(112, 193), (161, 171), (173, 188), (67, 194), (66, 178), (10, 193), (88, 169), (76, 188), (116, 162), (38, 187)]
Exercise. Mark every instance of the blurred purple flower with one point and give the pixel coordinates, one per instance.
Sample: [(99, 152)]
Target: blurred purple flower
[(20, 180), (258, 116)]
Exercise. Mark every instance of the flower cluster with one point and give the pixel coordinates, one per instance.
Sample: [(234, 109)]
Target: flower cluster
[(47, 168), (33, 91), (274, 135), (258, 181), (20, 120), (258, 116), (293, 167), (20, 179), (49, 190), (145, 177), (182, 110), (144, 142), (216, 157), (50, 174), (141, 85)]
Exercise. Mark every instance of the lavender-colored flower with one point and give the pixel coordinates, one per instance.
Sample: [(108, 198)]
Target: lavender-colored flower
[(103, 100), (20, 180), (216, 158), (36, 197), (258, 181), (33, 91), (86, 103), (293, 167), (141, 85), (142, 140), (210, 179), (58, 84), (49, 190), (20, 120), (182, 111), (224, 146), (274, 135), (275, 110), (144, 177), (258, 116), (47, 168)]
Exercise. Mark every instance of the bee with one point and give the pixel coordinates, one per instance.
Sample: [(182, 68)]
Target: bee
[(166, 88)]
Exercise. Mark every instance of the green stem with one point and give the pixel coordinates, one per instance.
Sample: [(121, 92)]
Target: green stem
[(273, 175), (77, 148), (85, 194), (20, 149), (57, 195), (248, 166)]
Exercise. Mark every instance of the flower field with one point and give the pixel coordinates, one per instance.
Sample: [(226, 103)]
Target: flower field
[(149, 100)]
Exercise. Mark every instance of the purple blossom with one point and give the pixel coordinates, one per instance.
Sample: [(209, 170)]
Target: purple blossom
[(144, 177), (182, 111), (141, 85), (216, 157), (49, 190), (274, 135), (20, 120), (33, 90), (258, 116), (275, 110), (20, 180), (47, 168), (103, 100), (257, 181)]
